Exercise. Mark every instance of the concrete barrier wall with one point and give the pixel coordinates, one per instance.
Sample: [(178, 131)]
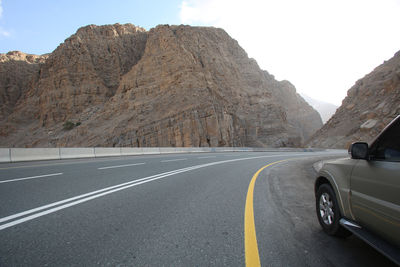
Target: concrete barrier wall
[(151, 150), (199, 150), (30, 154), (183, 149), (131, 151), (79, 152), (205, 149), (168, 150), (107, 151), (5, 155), (224, 149)]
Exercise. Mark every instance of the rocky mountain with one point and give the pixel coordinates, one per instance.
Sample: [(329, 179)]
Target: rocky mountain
[(325, 109), (120, 85), (369, 106), (17, 71)]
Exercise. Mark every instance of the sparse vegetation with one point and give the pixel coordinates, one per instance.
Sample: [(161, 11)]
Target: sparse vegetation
[(69, 125)]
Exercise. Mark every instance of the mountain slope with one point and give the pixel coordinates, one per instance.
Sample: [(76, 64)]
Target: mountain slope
[(370, 105), (17, 71), (170, 86)]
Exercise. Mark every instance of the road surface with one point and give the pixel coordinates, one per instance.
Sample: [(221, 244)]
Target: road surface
[(171, 210)]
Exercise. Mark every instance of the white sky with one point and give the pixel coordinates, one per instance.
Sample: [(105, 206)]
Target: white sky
[(322, 47)]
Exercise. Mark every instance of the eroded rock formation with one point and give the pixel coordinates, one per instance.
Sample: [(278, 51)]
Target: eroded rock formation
[(17, 73), (369, 106), (170, 86)]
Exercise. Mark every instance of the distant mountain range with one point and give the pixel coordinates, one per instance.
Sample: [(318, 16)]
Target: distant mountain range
[(326, 110)]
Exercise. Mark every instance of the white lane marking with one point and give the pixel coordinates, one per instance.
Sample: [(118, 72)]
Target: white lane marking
[(40, 214), (207, 157), (32, 177), (98, 193), (80, 196), (86, 197), (121, 166), (170, 160)]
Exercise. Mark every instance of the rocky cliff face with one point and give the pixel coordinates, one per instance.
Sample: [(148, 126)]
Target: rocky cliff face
[(369, 106), (17, 72), (86, 69), (170, 86), (302, 118)]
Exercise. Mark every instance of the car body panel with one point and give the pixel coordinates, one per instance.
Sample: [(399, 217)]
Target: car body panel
[(368, 189), (375, 197), (338, 173)]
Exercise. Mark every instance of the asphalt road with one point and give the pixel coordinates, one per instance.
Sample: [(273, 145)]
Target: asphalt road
[(171, 210)]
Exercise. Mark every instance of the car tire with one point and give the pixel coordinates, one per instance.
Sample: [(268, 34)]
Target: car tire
[(328, 212)]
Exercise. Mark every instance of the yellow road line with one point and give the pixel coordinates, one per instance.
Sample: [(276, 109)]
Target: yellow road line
[(250, 238)]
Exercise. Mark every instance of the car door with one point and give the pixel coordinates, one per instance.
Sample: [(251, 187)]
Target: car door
[(375, 186)]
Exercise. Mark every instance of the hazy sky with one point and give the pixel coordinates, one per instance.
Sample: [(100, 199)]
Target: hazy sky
[(321, 46)]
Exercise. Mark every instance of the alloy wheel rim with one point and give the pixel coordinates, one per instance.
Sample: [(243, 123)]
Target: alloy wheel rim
[(326, 208)]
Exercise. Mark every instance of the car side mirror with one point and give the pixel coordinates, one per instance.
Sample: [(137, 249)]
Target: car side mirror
[(359, 150)]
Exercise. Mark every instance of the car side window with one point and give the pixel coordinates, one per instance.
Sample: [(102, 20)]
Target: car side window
[(387, 147)]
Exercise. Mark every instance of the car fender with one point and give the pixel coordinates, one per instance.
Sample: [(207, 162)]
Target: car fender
[(337, 173)]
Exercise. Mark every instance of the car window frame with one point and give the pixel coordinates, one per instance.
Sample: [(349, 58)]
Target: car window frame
[(377, 142)]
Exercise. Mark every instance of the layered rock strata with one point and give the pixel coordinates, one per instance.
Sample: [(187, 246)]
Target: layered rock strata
[(369, 106), (18, 71), (171, 86)]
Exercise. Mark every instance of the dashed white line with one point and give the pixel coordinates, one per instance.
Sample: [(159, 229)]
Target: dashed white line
[(170, 160), (207, 157), (121, 166), (63, 204), (32, 177)]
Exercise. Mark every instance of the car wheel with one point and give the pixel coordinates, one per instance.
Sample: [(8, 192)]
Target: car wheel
[(328, 212)]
